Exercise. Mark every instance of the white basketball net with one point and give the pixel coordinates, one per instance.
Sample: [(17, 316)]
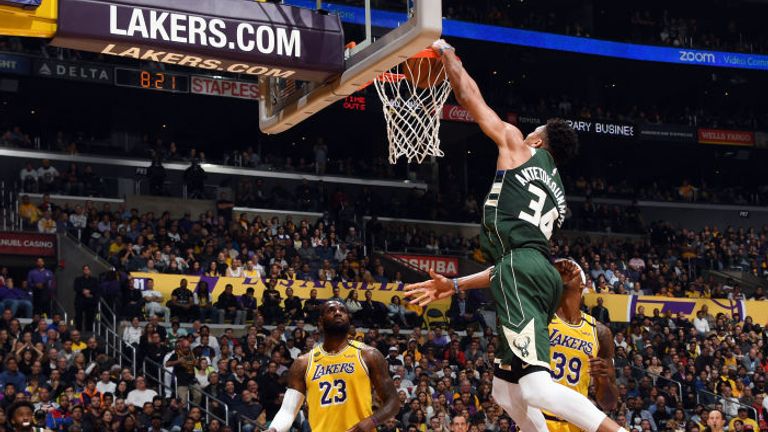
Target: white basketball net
[(412, 113)]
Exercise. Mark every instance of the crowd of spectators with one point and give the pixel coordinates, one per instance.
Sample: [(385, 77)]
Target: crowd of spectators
[(671, 262), (665, 190), (450, 204), (687, 28), (671, 372)]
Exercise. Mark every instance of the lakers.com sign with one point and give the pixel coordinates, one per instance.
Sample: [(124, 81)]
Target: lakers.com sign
[(236, 36)]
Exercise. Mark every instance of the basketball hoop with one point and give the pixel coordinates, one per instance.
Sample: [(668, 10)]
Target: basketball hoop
[(413, 94)]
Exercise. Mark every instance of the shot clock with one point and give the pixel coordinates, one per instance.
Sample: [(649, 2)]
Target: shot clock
[(152, 80)]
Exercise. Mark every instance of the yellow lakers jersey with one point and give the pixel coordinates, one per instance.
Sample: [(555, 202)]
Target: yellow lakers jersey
[(570, 348), (338, 388)]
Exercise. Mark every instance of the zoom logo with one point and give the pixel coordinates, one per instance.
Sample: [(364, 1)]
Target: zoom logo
[(696, 57)]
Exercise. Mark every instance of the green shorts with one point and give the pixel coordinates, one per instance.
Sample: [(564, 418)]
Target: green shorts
[(526, 288)]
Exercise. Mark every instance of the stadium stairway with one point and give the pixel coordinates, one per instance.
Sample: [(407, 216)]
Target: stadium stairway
[(73, 255)]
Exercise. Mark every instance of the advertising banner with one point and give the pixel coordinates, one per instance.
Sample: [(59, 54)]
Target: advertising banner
[(609, 128), (557, 42), (28, 244), (727, 137), (265, 39), (14, 64), (88, 72), (457, 113), (668, 133), (381, 292), (623, 308), (210, 86), (446, 266)]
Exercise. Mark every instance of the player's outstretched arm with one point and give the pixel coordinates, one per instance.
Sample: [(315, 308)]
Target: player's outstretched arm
[(440, 287), (468, 95), (294, 396), (378, 370), (602, 370)]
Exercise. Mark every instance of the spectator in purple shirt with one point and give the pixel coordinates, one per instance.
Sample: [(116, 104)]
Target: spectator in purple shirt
[(14, 299), (41, 281), (248, 303)]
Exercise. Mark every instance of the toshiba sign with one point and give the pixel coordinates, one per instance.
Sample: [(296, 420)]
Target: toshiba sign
[(446, 266), (225, 87)]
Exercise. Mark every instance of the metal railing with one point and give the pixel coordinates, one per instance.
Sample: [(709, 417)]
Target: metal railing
[(708, 398), (105, 327), (105, 315), (9, 207), (657, 378), (206, 399), (242, 420), (56, 306)]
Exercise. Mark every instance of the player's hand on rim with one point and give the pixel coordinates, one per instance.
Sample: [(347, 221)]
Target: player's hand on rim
[(424, 293), (440, 46)]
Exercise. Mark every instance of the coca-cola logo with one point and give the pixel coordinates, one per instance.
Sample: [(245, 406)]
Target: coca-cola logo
[(457, 113)]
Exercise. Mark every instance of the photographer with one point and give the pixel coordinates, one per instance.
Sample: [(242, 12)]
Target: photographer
[(156, 174), (270, 303), (194, 178)]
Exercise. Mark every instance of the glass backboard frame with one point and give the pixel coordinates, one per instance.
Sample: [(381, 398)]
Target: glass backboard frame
[(285, 104)]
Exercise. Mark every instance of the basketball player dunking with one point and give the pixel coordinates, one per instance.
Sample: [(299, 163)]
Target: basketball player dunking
[(525, 204), (337, 378), (580, 347)]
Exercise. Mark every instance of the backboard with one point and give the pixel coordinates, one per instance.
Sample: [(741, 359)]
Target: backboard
[(287, 102)]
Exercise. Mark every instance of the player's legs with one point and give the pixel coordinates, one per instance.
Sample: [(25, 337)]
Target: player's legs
[(538, 390), (526, 289), (561, 426), (528, 419)]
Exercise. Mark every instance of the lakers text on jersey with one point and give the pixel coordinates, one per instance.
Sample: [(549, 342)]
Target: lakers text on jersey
[(571, 347), (338, 388)]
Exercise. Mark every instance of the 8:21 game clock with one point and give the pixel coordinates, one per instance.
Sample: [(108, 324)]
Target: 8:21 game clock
[(152, 80)]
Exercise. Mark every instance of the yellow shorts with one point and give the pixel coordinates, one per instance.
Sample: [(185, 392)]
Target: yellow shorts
[(561, 426)]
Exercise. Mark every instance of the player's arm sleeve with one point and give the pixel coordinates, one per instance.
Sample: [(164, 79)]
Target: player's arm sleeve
[(284, 418), (293, 398), (606, 390)]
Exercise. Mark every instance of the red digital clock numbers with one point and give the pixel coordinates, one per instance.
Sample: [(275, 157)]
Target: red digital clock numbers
[(152, 80), (155, 80)]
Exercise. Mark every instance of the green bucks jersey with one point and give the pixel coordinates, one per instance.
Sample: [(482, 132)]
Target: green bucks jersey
[(523, 207)]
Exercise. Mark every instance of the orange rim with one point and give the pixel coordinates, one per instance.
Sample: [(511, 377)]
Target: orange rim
[(390, 77), (386, 76), (425, 53)]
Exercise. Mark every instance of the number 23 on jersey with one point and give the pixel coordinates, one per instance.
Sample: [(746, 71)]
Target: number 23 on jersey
[(333, 393)]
